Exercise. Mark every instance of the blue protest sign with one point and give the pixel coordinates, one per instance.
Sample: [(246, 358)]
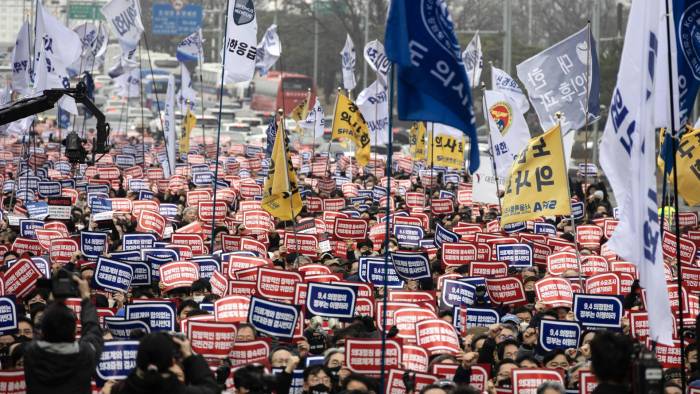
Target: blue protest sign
[(408, 235), (376, 274), (8, 186), (378, 192), (37, 210), (545, 228), (514, 227), (97, 189), (138, 241), (28, 182), (42, 173), (330, 300), (451, 178), (168, 211), (159, 315), (160, 253), (203, 178), (145, 195), (99, 205), (208, 307), (25, 195), (93, 244), (411, 266), (367, 194), (67, 183), (113, 275), (142, 273), (207, 266), (125, 161), (166, 20), (155, 263), (362, 266), (129, 255), (121, 329), (49, 189), (252, 151), (273, 318), (476, 317), (593, 310), (443, 235), (352, 213), (117, 360), (62, 166), (197, 168), (137, 184), (559, 334), (517, 255), (8, 315), (577, 210), (446, 194), (27, 227), (91, 197), (477, 281), (456, 293), (427, 243), (43, 265)]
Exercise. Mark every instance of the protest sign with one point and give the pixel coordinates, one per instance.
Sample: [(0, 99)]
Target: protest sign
[(411, 266), (330, 300), (277, 284), (178, 274), (8, 316), (93, 244), (458, 253), (526, 381), (379, 274), (160, 316), (151, 222), (437, 336), (395, 381), (350, 228), (408, 235), (554, 292), (365, 355), (517, 255), (559, 334), (456, 293), (13, 382), (245, 352), (506, 290), (488, 269), (117, 360), (206, 211), (211, 339), (605, 283), (20, 279), (475, 317), (232, 309), (112, 275), (593, 310), (273, 318)]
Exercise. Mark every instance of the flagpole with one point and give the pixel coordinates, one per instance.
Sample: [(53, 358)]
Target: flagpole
[(493, 157), (587, 129), (388, 223), (200, 61), (674, 149), (335, 108), (218, 129), (287, 164), (143, 129), (568, 192), (432, 163)]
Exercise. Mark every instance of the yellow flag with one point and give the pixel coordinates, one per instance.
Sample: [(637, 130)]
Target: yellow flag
[(349, 123), (446, 150), (417, 140), (300, 111), (281, 197), (688, 167), (537, 184), (187, 125)]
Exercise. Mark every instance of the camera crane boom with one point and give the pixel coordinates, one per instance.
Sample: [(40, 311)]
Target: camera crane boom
[(33, 105)]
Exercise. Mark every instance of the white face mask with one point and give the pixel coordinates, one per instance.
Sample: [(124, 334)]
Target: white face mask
[(198, 298)]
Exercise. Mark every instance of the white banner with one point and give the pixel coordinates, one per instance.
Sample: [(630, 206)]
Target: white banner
[(124, 18), (377, 60), (315, 120), (241, 39), (187, 96), (269, 50), (509, 131), (484, 188), (347, 59), (374, 106), (504, 83), (473, 60), (169, 126), (21, 61)]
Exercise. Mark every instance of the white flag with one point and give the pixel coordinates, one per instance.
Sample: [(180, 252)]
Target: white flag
[(631, 169), (484, 187), (240, 44), (509, 131), (374, 107), (504, 83), (315, 120), (377, 60), (57, 47), (191, 48), (187, 97), (124, 17), (269, 50), (347, 60), (169, 126), (21, 61), (129, 83), (94, 40), (473, 60)]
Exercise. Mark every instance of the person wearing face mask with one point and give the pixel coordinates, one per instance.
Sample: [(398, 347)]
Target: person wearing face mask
[(334, 361), (200, 289), (318, 380)]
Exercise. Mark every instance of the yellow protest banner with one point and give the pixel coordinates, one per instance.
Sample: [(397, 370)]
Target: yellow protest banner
[(281, 197), (187, 125), (688, 167), (446, 150), (417, 140), (537, 184), (349, 123)]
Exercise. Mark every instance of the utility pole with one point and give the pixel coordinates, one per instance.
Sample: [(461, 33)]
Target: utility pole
[(507, 31), (364, 68), (529, 22), (315, 42), (595, 33)]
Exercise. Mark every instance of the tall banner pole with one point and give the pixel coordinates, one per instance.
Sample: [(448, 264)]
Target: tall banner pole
[(674, 146), (218, 129), (389, 155), (493, 157), (587, 130)]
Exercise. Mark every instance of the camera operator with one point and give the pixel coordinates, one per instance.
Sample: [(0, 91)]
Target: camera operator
[(166, 364), (57, 363), (610, 362)]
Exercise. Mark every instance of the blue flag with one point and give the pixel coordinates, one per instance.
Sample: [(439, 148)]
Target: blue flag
[(432, 82), (271, 133), (686, 17)]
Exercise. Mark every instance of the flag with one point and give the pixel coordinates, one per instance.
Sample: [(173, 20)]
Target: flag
[(21, 63), (502, 82), (537, 184), (94, 41), (62, 118), (416, 135), (509, 131), (191, 48), (377, 60), (271, 135), (240, 43), (473, 60), (686, 62), (688, 171), (315, 120), (347, 58), (187, 125), (349, 123), (57, 47), (187, 97), (446, 148), (169, 132), (301, 110), (630, 168), (432, 82), (129, 84), (555, 80), (269, 50), (485, 189), (124, 18), (281, 197), (373, 102)]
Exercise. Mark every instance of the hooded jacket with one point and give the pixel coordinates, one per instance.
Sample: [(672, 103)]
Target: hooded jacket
[(65, 367)]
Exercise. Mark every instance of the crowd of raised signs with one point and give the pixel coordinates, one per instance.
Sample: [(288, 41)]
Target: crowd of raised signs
[(292, 307)]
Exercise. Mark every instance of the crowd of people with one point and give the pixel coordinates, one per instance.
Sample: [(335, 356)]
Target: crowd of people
[(69, 344)]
